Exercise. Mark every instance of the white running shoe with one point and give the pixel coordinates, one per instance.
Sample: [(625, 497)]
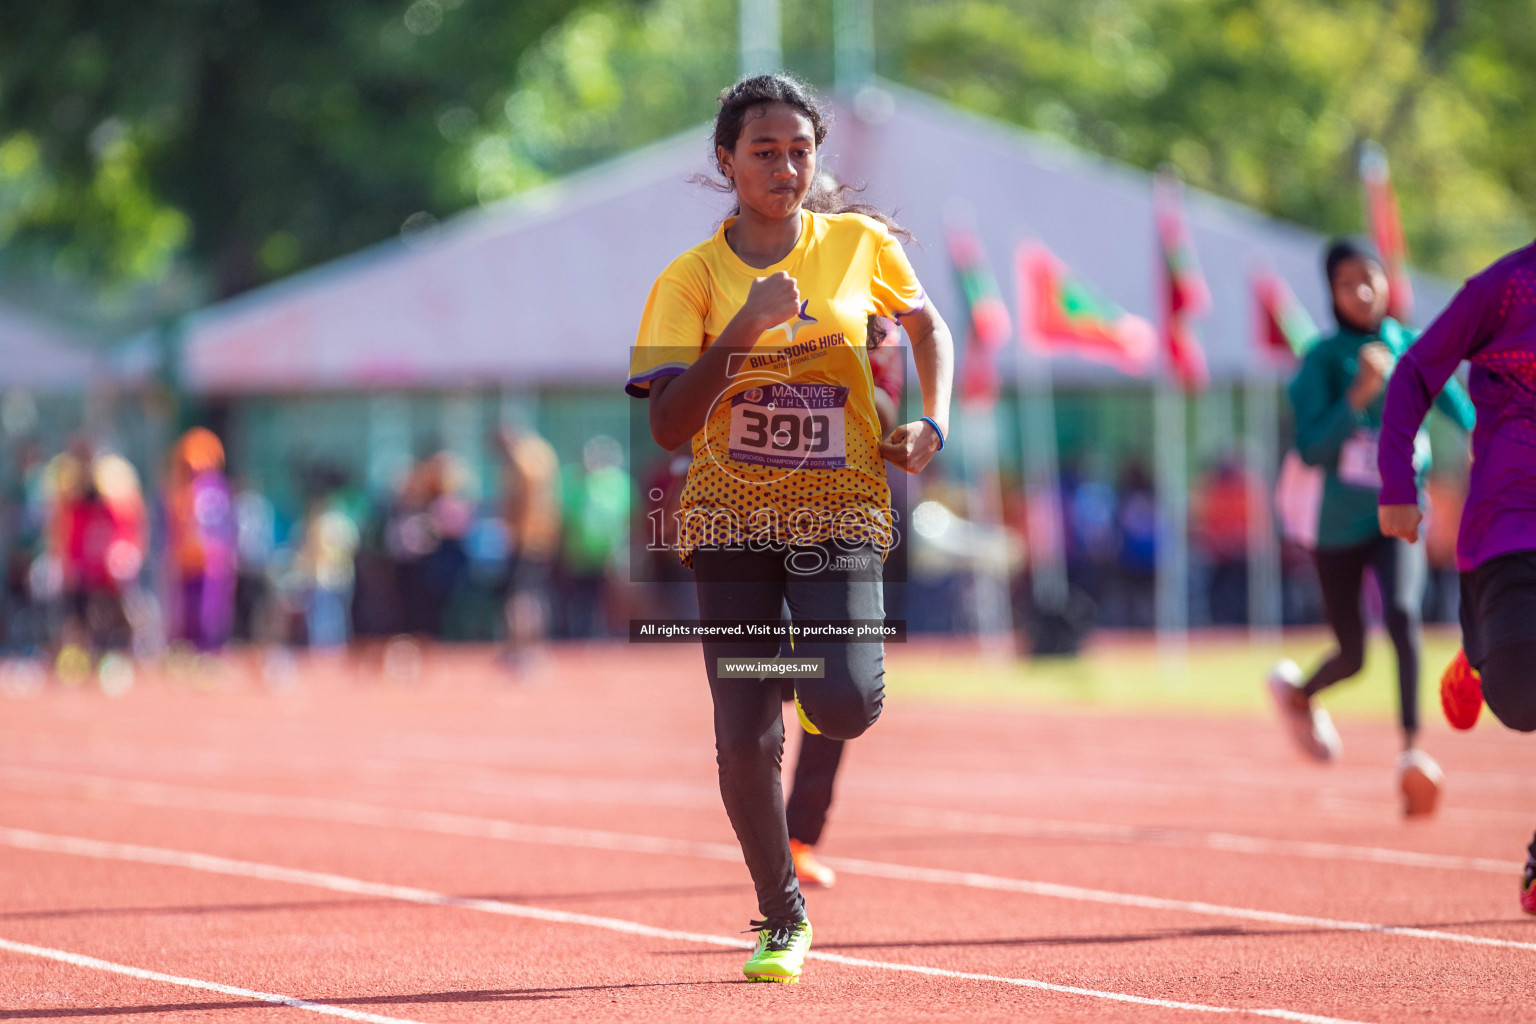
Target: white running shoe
[(1310, 726), (1420, 779)]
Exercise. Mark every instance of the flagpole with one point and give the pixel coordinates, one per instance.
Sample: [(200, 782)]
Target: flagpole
[(1183, 297), (1384, 221), (1261, 414), (1282, 326), (759, 37), (989, 576), (1042, 475), (1171, 472), (986, 329)]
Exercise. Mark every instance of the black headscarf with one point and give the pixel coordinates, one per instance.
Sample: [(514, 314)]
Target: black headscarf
[(1340, 250)]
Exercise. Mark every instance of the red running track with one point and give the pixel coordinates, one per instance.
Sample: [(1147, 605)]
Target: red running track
[(460, 848)]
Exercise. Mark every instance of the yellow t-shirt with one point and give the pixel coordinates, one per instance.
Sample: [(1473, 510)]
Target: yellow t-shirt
[(790, 453)]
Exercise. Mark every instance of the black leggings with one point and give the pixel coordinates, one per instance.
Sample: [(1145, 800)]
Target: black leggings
[(805, 812), (749, 727), (1400, 571), (1498, 631)]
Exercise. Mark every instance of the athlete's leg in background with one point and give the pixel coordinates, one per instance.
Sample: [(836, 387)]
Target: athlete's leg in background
[(749, 727), (811, 797), (1401, 569), (1340, 573)]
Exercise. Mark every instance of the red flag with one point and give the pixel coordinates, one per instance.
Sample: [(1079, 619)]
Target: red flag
[(1386, 225), (1184, 293), (1283, 323), (1058, 313), (987, 325)]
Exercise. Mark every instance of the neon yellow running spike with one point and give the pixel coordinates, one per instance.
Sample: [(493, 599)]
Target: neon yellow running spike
[(780, 952), (805, 723)]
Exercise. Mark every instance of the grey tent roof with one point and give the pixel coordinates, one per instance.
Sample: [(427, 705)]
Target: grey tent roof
[(549, 287), (39, 356)]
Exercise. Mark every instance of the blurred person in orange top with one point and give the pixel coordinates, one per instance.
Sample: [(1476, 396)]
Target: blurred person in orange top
[(1220, 518), (532, 512), (200, 543)]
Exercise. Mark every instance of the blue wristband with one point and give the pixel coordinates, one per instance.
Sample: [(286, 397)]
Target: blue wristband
[(934, 424)]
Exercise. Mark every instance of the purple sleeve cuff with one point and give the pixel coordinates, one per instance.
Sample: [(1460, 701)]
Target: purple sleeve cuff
[(639, 385), (1398, 492)]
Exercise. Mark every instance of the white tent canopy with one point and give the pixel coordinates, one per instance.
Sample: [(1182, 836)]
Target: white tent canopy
[(548, 288), (36, 356)]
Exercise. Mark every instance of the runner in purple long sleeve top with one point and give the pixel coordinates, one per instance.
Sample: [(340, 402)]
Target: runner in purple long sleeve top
[(1492, 324)]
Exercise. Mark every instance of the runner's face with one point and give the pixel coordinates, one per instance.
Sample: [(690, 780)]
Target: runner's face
[(773, 162), (1360, 292)]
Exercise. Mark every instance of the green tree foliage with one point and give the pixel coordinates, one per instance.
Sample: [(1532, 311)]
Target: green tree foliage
[(609, 79), (250, 139), (1263, 101), (1267, 101), (254, 136)]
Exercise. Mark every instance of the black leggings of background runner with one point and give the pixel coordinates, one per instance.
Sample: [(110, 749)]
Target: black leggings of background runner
[(805, 812), (749, 727), (1400, 572)]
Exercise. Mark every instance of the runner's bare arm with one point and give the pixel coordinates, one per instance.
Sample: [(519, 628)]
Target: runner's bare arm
[(681, 404), (1400, 521), (912, 445)]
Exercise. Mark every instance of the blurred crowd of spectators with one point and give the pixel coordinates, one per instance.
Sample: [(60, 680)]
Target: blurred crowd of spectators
[(98, 572), (1110, 530), (95, 569)]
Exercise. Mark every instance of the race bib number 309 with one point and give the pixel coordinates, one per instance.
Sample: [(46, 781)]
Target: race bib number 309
[(790, 425)]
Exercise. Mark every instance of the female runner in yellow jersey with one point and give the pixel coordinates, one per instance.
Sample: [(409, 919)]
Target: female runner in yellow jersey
[(752, 344)]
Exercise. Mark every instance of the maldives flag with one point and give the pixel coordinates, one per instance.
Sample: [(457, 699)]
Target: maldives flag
[(1283, 323), (987, 325), (1058, 313), (1184, 293), (1386, 224)]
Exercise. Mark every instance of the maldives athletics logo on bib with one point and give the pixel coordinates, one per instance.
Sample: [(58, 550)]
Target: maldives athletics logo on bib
[(790, 426)]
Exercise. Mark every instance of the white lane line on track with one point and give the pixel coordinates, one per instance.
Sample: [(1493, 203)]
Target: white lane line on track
[(211, 986), (240, 802), (487, 828), (28, 840), (439, 822), (976, 880), (347, 812), (1227, 842)]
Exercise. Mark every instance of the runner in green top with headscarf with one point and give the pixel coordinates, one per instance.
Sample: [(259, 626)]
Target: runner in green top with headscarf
[(1338, 397)]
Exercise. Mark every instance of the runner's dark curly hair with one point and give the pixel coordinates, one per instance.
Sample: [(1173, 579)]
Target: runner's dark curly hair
[(745, 100)]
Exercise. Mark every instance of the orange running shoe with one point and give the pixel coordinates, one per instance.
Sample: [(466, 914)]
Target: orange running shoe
[(1461, 692), (1528, 888), (808, 869)]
